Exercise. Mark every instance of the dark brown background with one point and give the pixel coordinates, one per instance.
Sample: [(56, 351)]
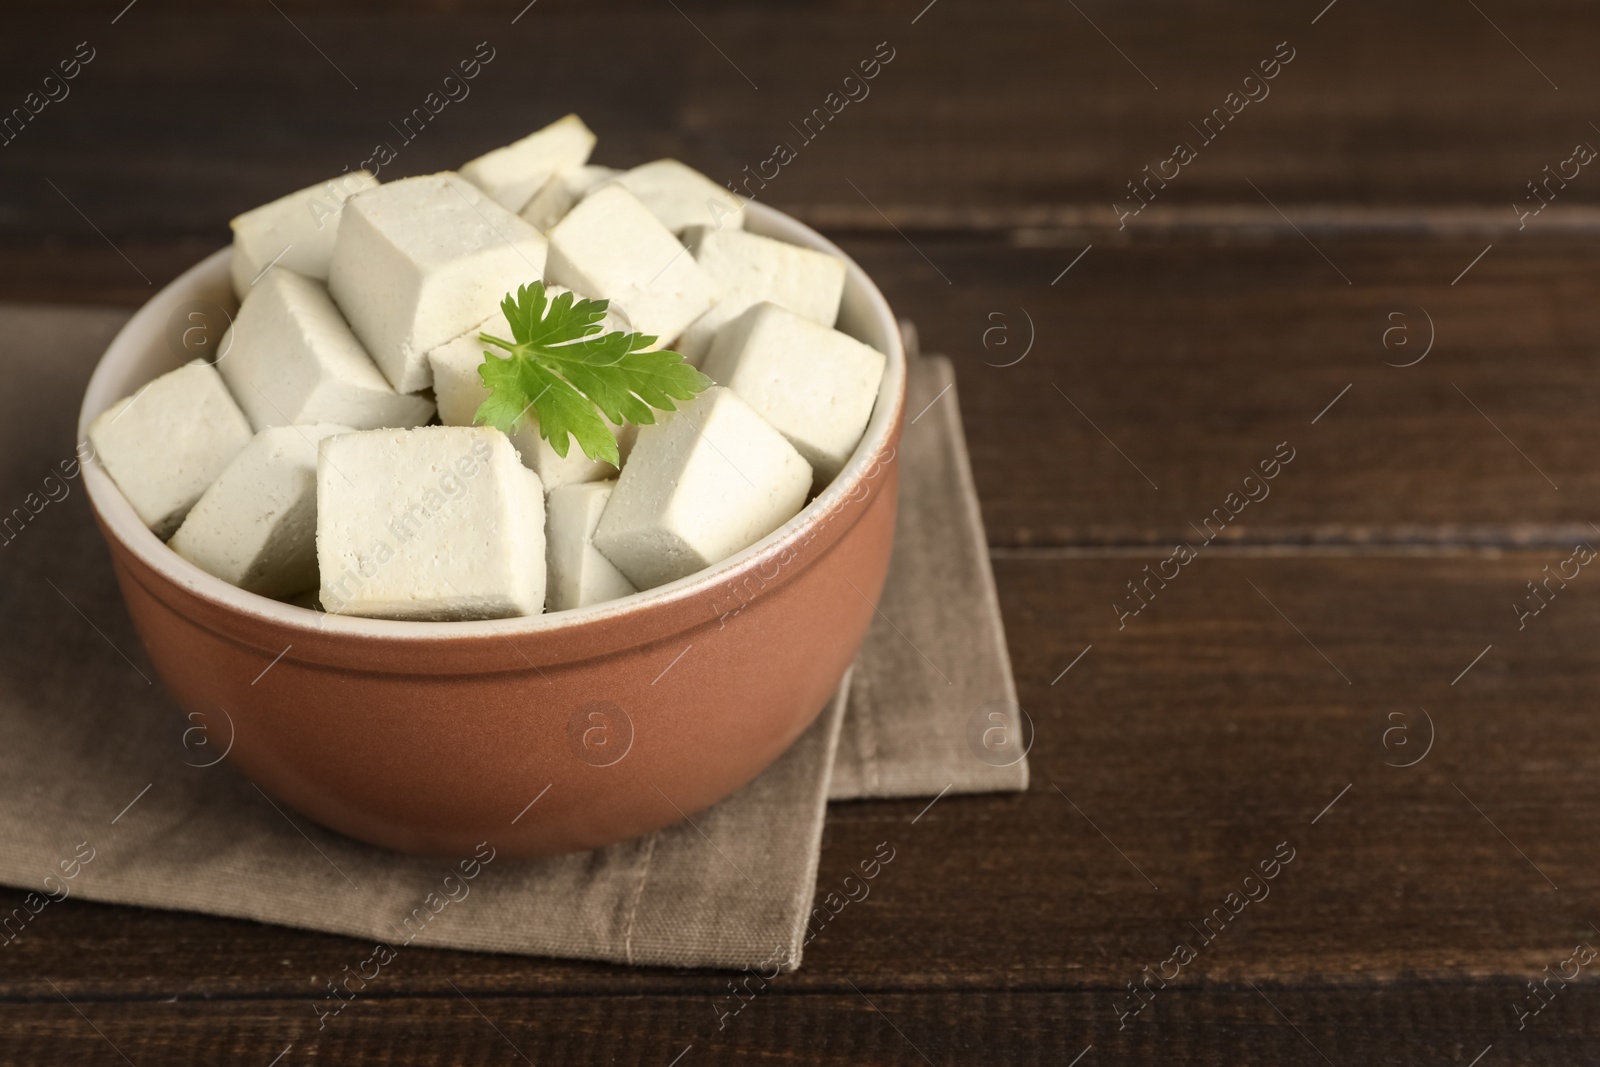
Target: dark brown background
[(1209, 330)]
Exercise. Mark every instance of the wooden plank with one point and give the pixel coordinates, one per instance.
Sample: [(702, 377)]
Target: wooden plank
[(1161, 375), (1187, 361), (189, 114)]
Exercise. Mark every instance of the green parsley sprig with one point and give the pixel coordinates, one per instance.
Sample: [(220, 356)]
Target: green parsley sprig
[(560, 365)]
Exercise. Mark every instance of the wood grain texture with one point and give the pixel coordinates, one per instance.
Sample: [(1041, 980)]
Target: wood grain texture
[(1268, 1025), (1161, 374), (989, 116), (1417, 884), (1124, 403)]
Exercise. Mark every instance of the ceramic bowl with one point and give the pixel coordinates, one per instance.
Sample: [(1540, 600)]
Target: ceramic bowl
[(542, 735)]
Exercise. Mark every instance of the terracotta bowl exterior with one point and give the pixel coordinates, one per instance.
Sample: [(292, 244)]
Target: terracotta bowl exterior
[(611, 721)]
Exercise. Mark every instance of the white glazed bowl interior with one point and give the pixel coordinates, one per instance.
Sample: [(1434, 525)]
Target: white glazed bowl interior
[(142, 352)]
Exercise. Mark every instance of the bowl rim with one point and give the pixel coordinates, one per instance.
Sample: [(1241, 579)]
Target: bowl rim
[(872, 452)]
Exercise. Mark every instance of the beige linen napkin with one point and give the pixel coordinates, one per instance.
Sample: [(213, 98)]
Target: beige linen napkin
[(932, 686), (104, 797)]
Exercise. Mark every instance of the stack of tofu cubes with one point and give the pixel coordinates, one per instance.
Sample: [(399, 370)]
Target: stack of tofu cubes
[(329, 456)]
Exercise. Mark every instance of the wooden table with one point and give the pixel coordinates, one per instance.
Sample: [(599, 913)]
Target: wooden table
[(1341, 671)]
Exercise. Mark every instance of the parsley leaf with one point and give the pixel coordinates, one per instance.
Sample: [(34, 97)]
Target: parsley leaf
[(561, 365)]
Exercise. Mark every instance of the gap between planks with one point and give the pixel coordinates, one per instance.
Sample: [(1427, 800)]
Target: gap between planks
[(1042, 225), (1048, 553)]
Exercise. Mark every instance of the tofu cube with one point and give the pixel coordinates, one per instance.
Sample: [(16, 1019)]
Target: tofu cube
[(681, 196), (579, 574), (167, 443), (296, 231), (291, 359), (420, 261), (511, 175), (751, 269), (459, 390), (438, 522), (611, 245), (551, 203), (705, 482), (256, 527), (815, 385)]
